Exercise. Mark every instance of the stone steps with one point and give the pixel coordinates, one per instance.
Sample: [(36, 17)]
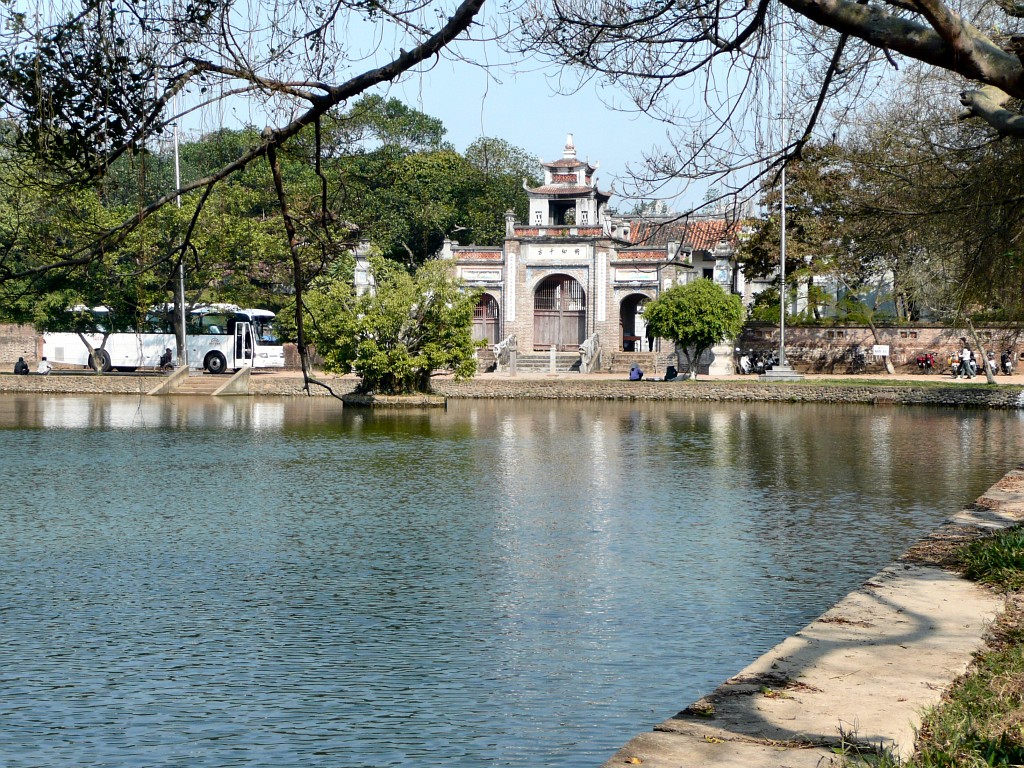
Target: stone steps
[(621, 362), (540, 362), (201, 384)]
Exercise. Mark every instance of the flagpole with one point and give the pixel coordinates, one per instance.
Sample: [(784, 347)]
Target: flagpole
[(782, 197)]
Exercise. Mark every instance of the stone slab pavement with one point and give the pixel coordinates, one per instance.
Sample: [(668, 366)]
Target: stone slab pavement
[(861, 674)]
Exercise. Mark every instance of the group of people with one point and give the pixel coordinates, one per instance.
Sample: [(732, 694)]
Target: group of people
[(636, 373), (965, 365), (21, 367)]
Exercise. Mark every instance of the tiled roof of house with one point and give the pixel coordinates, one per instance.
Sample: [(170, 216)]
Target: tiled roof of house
[(702, 234), (565, 162), (569, 190)]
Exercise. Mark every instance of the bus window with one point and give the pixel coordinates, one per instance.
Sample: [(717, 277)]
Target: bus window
[(157, 323), (216, 324)]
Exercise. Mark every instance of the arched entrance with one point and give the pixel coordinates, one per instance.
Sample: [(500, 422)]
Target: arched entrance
[(485, 320), (559, 314), (632, 324)]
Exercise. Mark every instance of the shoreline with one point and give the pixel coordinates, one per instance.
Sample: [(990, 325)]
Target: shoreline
[(940, 391), (858, 677)]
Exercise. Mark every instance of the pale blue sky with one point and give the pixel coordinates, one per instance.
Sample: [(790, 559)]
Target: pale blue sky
[(476, 88), (527, 110), (521, 105)]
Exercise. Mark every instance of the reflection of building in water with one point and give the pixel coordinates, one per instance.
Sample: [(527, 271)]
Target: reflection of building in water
[(141, 412), (581, 509), (574, 269)]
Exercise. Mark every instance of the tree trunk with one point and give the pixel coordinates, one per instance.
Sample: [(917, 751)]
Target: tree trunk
[(982, 357), (889, 369), (94, 352)]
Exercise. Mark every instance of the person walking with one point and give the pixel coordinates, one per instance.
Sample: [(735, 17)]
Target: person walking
[(965, 360)]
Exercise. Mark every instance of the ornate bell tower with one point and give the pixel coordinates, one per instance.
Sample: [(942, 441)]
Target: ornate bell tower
[(569, 195)]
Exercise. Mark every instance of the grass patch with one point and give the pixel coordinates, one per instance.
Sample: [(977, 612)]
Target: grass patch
[(997, 561), (980, 723)]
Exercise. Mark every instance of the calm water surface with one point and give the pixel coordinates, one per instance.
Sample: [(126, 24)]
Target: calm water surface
[(281, 583)]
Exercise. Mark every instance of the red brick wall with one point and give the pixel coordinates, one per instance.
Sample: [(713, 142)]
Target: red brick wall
[(827, 349), (18, 341)]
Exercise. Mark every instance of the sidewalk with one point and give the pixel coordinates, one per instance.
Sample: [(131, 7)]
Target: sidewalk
[(860, 674), (1017, 379)]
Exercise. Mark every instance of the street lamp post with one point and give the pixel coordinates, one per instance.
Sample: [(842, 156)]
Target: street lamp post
[(782, 371)]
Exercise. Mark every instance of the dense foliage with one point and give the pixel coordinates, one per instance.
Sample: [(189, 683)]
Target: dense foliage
[(397, 336), (696, 316), (391, 179)]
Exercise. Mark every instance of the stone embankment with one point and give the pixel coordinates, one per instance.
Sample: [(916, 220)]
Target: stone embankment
[(857, 678), (578, 387), (735, 390)]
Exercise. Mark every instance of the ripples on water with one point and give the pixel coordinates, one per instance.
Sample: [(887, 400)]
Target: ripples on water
[(279, 583)]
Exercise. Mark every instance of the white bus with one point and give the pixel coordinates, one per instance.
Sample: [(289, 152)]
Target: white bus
[(218, 338)]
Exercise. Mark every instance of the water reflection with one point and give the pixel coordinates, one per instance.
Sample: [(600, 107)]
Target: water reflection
[(281, 582)]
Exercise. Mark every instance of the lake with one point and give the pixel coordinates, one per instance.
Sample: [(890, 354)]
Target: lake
[(281, 582)]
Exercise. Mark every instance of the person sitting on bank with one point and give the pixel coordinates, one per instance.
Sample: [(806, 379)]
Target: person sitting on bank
[(635, 374), (21, 367), (671, 374), (44, 367), (165, 360)]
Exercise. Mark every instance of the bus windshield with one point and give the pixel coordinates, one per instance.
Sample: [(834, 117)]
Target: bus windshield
[(266, 331)]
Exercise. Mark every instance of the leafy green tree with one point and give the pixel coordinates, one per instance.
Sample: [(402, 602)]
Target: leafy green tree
[(398, 336), (408, 203), (374, 123), (87, 84), (696, 316), (817, 235), (499, 169), (766, 307), (41, 223)]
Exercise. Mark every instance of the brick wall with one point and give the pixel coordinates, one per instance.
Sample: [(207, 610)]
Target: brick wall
[(823, 349), (735, 391), (18, 341)]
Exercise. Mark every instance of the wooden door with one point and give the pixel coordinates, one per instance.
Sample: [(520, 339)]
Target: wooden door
[(559, 314), (485, 320)]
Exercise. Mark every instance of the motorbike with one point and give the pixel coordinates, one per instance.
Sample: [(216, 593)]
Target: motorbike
[(743, 362), (962, 368), (756, 362), (926, 362), (1006, 363), (761, 361)]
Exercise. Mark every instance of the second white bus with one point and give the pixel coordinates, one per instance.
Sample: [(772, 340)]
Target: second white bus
[(217, 339)]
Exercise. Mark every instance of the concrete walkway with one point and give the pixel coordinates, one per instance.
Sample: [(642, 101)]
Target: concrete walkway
[(861, 674)]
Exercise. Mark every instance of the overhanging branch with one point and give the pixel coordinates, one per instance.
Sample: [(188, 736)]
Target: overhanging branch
[(987, 103)]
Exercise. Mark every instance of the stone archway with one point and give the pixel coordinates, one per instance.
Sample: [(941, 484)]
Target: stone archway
[(559, 314), (487, 320), (633, 329)]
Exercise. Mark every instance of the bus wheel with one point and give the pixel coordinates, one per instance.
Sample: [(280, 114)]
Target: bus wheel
[(104, 360), (215, 363)]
